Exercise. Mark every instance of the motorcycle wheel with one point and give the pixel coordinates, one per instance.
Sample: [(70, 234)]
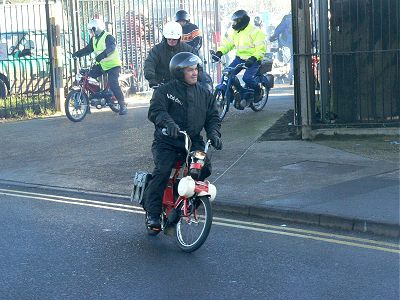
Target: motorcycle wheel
[(192, 231), (76, 106), (222, 103), (261, 104)]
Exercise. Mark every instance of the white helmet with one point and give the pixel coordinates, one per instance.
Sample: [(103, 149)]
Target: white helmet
[(97, 26), (172, 30)]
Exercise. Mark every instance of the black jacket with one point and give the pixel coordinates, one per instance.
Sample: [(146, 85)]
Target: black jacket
[(191, 107), (156, 65)]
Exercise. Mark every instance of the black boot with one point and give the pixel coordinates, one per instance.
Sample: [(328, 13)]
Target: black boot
[(153, 223), (258, 94), (123, 110)]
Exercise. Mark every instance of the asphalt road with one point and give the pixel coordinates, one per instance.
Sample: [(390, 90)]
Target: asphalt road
[(105, 149), (65, 245)]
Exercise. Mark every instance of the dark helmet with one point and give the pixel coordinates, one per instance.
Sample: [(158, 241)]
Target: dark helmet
[(258, 21), (183, 60), (240, 20), (182, 15)]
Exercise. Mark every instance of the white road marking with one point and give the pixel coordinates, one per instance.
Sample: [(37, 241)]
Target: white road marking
[(259, 227)]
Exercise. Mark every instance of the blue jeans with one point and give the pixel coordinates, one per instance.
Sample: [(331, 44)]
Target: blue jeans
[(249, 74)]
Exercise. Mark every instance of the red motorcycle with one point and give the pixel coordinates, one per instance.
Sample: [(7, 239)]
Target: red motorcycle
[(87, 92), (186, 205)]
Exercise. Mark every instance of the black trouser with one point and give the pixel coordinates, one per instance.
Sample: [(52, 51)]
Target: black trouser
[(165, 157), (112, 78)]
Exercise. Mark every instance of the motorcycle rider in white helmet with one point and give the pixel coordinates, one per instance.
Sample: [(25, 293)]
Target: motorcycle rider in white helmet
[(103, 44), (156, 65)]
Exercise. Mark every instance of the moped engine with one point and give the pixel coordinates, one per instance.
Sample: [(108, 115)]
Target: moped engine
[(98, 102)]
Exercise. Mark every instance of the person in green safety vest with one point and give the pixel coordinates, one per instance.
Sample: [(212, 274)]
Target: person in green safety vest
[(249, 43), (108, 61)]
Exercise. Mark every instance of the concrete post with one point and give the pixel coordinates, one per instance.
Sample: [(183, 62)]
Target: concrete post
[(55, 23), (306, 92)]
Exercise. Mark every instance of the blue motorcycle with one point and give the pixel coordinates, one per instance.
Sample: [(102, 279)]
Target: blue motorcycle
[(231, 91)]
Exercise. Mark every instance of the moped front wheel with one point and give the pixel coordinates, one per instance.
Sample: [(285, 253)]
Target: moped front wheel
[(259, 105), (76, 105), (222, 103), (192, 230)]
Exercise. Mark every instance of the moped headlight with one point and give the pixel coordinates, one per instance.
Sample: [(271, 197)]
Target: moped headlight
[(199, 154)]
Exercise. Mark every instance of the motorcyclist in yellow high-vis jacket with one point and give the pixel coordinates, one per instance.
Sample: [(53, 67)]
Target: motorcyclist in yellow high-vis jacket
[(249, 42), (108, 61)]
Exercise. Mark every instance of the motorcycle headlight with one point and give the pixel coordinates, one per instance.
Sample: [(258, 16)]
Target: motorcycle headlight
[(199, 154)]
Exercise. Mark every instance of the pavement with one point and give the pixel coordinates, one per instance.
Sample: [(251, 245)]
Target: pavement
[(349, 182)]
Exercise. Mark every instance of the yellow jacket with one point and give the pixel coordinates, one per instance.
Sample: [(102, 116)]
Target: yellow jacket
[(247, 42), (110, 61)]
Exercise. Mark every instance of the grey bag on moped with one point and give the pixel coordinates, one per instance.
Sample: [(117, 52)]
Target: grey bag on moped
[(140, 181)]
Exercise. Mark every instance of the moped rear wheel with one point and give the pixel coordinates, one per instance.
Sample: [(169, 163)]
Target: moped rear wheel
[(192, 230), (258, 106), (76, 105), (222, 103)]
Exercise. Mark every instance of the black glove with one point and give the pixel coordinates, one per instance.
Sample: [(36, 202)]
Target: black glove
[(152, 83), (173, 130), (250, 61), (100, 57), (216, 141), (74, 55), (217, 56)]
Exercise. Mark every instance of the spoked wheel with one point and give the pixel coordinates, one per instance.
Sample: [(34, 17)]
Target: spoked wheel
[(222, 103), (261, 104), (193, 230), (76, 106)]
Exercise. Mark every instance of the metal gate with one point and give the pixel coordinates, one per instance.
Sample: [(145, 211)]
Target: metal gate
[(28, 76), (24, 60), (137, 25), (347, 62)]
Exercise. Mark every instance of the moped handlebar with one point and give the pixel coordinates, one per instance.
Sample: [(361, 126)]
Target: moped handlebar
[(188, 142)]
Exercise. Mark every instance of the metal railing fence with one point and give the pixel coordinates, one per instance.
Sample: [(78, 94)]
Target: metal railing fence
[(354, 55), (24, 60)]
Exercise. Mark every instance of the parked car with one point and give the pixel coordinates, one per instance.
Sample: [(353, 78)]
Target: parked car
[(24, 62)]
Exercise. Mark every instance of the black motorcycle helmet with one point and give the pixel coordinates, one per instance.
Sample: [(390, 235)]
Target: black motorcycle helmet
[(240, 20), (183, 60), (182, 15), (258, 22)]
